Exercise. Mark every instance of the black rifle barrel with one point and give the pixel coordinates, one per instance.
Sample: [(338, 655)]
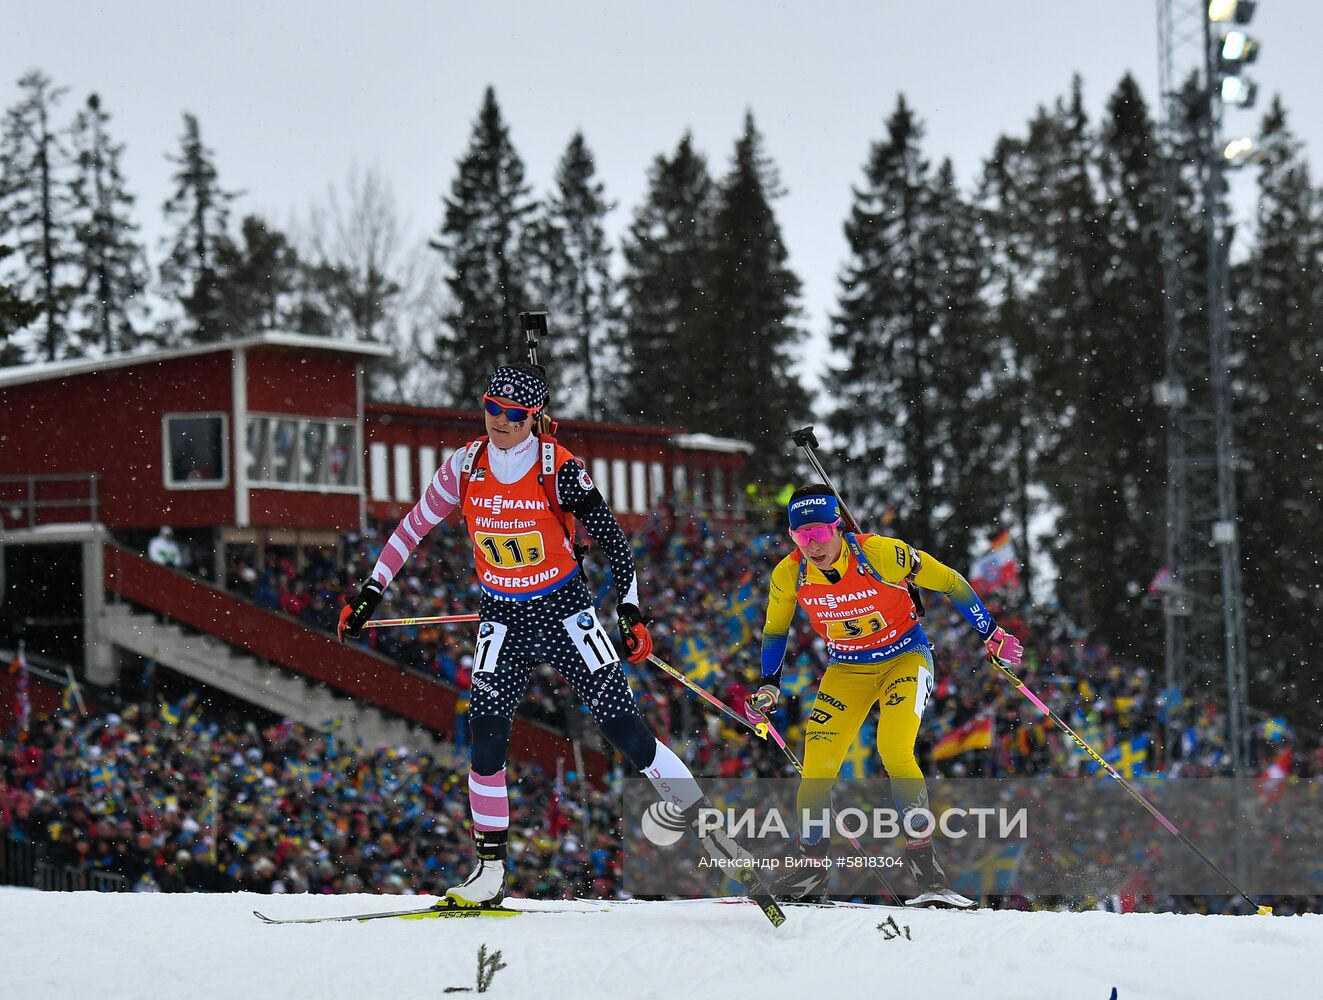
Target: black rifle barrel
[(806, 439)]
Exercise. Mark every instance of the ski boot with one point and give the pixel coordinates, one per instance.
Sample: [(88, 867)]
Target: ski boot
[(927, 872), (806, 873), (486, 886)]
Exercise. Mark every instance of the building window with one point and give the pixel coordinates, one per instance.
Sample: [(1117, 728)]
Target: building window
[(342, 456), (284, 449), (426, 468), (403, 473), (378, 458), (312, 458), (257, 440), (297, 453), (657, 492), (620, 485), (638, 475), (195, 450), (602, 476)]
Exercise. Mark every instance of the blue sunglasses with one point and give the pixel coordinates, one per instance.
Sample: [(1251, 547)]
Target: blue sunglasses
[(514, 414)]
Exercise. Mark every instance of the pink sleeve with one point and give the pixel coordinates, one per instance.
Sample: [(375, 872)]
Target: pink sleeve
[(439, 500)]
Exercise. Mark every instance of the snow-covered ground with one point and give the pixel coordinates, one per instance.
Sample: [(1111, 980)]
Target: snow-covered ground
[(191, 947)]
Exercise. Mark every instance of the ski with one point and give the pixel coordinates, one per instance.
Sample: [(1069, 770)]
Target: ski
[(420, 913), (824, 904), (760, 896)]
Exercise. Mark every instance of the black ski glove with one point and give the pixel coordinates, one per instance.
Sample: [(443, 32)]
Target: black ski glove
[(356, 612)]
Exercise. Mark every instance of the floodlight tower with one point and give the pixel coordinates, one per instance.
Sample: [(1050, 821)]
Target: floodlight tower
[(1203, 602)]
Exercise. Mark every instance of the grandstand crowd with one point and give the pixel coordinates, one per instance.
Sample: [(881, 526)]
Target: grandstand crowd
[(176, 795)]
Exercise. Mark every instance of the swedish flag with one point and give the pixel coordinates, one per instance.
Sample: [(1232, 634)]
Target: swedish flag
[(994, 875), (1275, 730), (741, 616), (99, 779), (1130, 758), (699, 663), (795, 679), (1092, 734), (858, 761)]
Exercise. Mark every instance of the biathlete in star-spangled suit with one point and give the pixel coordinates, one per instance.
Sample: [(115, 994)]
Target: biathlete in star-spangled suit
[(519, 495), (855, 590)]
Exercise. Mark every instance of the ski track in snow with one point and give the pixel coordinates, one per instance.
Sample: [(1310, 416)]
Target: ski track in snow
[(141, 947)]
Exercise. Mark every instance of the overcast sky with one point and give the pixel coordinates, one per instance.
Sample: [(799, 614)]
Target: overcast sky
[(291, 94)]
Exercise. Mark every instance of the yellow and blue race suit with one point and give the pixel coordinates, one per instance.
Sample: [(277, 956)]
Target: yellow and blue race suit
[(877, 652)]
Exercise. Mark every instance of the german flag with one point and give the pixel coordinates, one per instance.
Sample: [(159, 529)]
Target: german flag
[(976, 734)]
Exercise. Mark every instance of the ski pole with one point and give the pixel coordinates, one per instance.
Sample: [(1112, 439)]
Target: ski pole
[(790, 754), (434, 620), (1262, 911), (711, 699)]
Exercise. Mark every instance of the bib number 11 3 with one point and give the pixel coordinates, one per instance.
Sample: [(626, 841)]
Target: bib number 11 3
[(511, 551)]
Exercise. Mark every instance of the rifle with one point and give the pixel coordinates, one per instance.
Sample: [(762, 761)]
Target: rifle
[(534, 322)]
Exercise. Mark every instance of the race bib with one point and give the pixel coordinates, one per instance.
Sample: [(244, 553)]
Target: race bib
[(511, 551), (856, 628), (590, 639), (491, 636)]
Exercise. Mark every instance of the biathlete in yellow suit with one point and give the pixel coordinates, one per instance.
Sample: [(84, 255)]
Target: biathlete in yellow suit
[(854, 589)]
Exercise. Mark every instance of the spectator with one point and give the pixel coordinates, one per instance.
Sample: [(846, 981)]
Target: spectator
[(164, 550)]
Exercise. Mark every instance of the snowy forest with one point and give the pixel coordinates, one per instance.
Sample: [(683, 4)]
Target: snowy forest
[(995, 350)]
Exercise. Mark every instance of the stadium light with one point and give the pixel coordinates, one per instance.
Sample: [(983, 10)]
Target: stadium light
[(1239, 49), (1238, 91), (1237, 152), (1239, 11)]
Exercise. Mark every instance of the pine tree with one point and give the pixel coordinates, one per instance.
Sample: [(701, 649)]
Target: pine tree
[(35, 208), (16, 312), (913, 323), (1278, 428), (258, 279), (111, 262), (485, 217), (199, 208), (1010, 218), (745, 384), (664, 288), (882, 325), (1071, 384), (569, 262), (1130, 510), (966, 493)]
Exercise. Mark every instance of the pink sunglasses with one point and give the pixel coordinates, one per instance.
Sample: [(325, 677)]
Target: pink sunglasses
[(821, 533)]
